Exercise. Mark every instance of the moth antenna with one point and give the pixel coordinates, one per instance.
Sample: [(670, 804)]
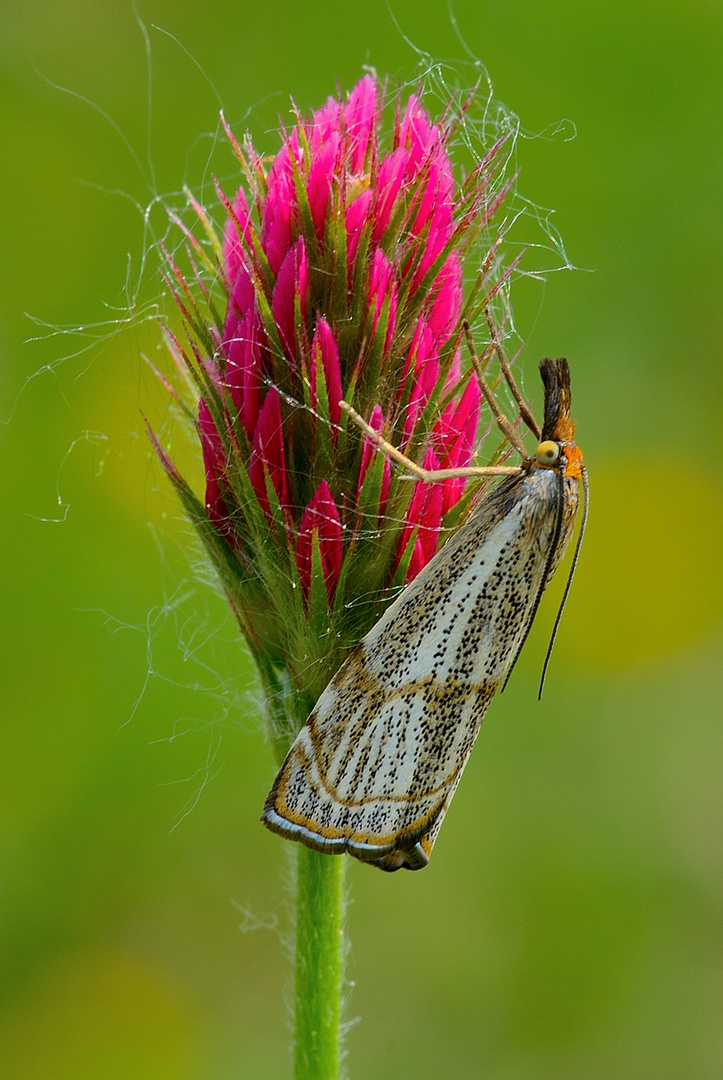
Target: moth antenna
[(522, 405), (568, 584), (502, 422), (559, 514)]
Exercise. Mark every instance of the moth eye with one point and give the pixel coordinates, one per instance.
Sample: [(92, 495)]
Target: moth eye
[(548, 453)]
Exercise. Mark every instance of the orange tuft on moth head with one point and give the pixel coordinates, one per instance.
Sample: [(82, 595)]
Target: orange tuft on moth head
[(574, 465)]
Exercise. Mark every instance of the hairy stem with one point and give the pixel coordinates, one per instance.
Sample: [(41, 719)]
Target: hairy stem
[(319, 935)]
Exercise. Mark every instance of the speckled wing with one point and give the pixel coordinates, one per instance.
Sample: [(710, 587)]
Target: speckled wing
[(375, 767)]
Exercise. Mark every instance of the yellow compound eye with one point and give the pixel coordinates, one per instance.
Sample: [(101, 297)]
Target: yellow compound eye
[(548, 453)]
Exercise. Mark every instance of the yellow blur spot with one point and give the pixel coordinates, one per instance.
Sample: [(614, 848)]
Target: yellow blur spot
[(650, 580), (119, 466), (98, 1016)]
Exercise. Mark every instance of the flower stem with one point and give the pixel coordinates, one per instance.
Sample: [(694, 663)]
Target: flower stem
[(319, 935)]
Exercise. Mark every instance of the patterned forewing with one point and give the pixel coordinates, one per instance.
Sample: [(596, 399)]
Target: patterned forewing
[(378, 761)]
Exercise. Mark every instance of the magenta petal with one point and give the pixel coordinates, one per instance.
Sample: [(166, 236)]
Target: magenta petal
[(444, 311), (458, 427), (278, 210), (360, 114), (416, 563), (423, 359), (415, 130), (421, 138), (215, 506), (457, 415), (421, 347), (325, 123), (267, 452), (424, 514), (292, 281), (321, 175), (214, 463), (424, 383), (324, 350), (411, 417), (242, 301), (244, 375), (239, 222), (456, 435), (431, 520), (380, 278), (389, 181), (321, 517), (454, 375), (382, 289), (376, 421), (210, 440), (427, 376), (357, 213), (433, 248), (435, 200)]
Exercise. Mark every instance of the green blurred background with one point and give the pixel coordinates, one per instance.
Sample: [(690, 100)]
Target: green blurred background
[(570, 922)]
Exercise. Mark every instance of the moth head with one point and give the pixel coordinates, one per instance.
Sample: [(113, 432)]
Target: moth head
[(548, 454)]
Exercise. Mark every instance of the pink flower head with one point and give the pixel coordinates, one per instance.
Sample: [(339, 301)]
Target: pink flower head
[(342, 267)]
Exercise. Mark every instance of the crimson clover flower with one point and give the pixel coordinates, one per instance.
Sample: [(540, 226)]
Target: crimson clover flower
[(339, 276)]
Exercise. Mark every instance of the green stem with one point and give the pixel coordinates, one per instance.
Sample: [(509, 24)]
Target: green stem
[(319, 935)]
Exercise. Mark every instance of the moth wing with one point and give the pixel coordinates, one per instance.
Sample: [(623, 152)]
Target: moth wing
[(375, 767), (372, 770)]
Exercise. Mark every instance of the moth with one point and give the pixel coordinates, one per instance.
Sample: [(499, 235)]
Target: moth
[(376, 765)]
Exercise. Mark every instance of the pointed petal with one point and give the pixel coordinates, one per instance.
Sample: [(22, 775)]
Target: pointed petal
[(244, 375), (357, 214), (276, 231), (321, 516), (321, 176), (241, 301), (239, 221), (325, 123), (382, 289), (214, 466), (324, 350), (424, 514), (292, 283), (360, 114), (392, 174), (267, 452), (444, 310)]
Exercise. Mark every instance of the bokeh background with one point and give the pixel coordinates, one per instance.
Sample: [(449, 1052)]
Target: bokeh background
[(570, 922)]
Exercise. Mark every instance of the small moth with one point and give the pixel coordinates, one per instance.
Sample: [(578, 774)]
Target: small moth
[(374, 769)]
